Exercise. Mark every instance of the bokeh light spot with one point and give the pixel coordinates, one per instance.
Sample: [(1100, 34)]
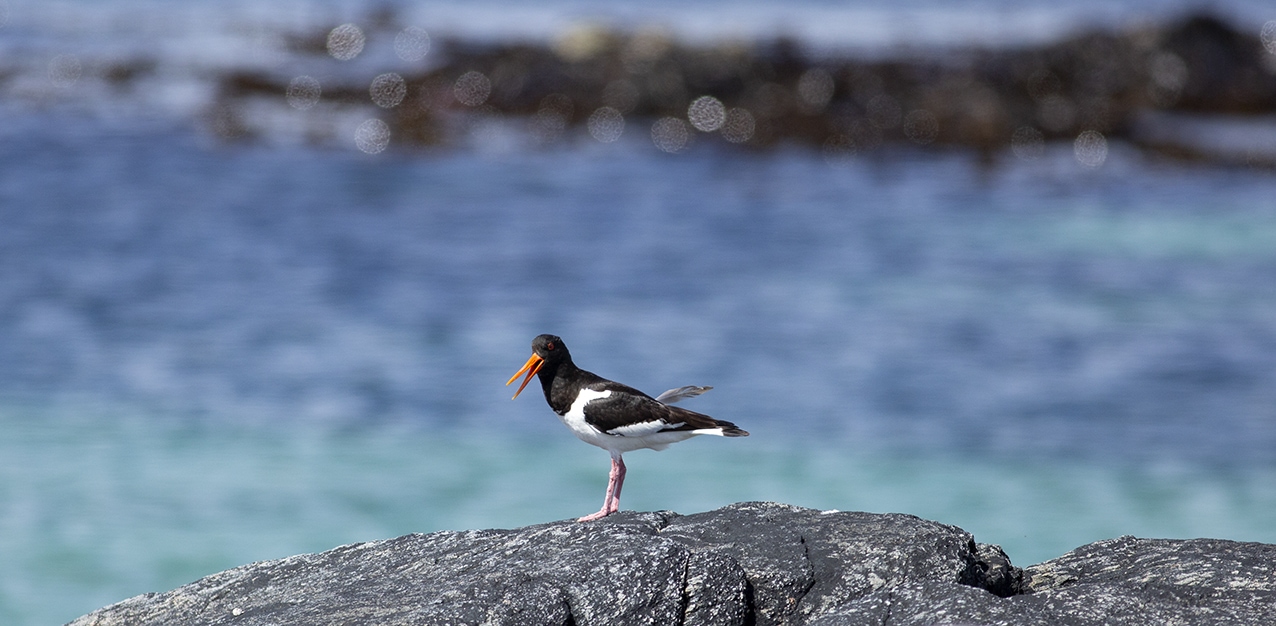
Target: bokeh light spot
[(707, 114), (388, 90), (1268, 35), (552, 116), (345, 42), (1091, 148), (472, 89), (1169, 71), (412, 44), (606, 124), (1027, 143), (670, 134), (739, 126), (372, 136), (65, 69), (1169, 76), (921, 127), (582, 42), (303, 92), (815, 88)]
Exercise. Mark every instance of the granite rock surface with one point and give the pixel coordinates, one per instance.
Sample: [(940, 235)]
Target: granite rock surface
[(749, 563)]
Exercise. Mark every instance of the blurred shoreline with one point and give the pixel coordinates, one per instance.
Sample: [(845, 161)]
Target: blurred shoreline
[(1193, 88), (1148, 86)]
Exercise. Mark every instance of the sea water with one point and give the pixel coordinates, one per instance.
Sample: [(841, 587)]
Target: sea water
[(214, 353), (99, 507), (217, 354)]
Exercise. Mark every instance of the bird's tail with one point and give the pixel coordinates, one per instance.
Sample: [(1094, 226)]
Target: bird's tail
[(702, 424)]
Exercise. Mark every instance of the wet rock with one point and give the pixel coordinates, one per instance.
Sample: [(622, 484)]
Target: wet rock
[(751, 563)]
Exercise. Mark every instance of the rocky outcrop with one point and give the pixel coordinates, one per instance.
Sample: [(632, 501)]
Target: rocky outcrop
[(1095, 84), (751, 563)]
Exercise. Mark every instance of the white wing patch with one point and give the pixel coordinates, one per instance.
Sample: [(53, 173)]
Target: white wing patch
[(574, 418), (642, 429), (577, 411)]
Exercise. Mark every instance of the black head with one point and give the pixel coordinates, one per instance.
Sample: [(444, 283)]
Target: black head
[(550, 348), (547, 350)]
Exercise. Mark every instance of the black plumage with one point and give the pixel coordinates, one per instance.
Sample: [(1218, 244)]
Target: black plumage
[(613, 416)]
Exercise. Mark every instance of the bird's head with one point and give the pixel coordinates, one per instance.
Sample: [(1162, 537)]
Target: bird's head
[(546, 349)]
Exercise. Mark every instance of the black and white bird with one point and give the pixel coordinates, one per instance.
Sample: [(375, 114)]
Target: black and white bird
[(612, 416)]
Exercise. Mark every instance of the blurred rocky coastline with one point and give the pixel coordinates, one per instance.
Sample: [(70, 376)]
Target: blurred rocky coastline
[(1151, 87), (1195, 88)]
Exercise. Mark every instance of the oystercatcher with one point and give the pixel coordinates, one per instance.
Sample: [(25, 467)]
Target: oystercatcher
[(612, 416)]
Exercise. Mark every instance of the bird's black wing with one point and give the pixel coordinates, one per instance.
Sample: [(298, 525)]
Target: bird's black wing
[(629, 412)]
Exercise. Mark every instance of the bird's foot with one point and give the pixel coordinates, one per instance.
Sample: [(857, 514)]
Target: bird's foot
[(596, 516)]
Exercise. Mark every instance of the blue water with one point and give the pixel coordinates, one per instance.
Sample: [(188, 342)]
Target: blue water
[(916, 301), (214, 353)]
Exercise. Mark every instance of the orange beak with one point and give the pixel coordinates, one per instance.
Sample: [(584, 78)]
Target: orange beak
[(532, 366)]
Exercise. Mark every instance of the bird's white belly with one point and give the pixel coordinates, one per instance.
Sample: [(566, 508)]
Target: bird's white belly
[(574, 419)]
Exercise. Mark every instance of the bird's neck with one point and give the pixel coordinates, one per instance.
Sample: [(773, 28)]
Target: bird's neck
[(560, 371)]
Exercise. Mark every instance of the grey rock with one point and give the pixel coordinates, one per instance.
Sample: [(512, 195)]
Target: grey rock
[(750, 563), (1157, 581)]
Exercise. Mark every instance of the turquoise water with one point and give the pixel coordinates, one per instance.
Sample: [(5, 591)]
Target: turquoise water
[(217, 353), (213, 354), (102, 507)]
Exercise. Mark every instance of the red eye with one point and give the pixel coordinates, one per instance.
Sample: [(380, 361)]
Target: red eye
[(549, 346)]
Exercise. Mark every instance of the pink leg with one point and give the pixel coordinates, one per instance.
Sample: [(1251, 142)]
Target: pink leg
[(619, 464), (615, 480)]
